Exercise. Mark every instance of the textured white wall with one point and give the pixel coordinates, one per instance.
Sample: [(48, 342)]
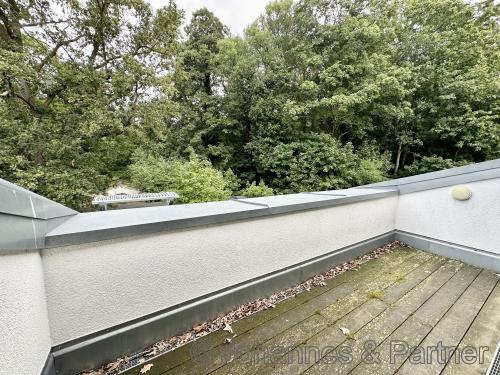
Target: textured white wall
[(434, 213), (94, 286), (24, 326)]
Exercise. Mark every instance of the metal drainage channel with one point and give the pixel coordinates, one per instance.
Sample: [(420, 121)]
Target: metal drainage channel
[(494, 368)]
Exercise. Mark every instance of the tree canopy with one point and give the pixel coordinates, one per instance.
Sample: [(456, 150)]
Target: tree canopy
[(317, 94)]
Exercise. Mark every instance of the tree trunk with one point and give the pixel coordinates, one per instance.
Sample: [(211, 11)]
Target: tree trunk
[(398, 157), (405, 154)]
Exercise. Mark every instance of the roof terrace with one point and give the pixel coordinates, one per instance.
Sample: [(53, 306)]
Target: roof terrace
[(118, 290), (405, 299)]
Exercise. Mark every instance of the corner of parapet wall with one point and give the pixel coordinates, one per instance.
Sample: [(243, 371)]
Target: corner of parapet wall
[(26, 217)]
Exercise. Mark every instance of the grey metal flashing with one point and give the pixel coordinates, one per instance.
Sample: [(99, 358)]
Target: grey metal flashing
[(470, 173), (470, 255), (26, 217), (48, 368), (329, 194), (357, 191), (21, 234), (94, 350), (99, 226), (104, 225), (449, 181), (15, 200), (241, 200), (280, 204)]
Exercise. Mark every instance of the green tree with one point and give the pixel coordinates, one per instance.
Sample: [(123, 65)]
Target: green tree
[(73, 80), (198, 85), (306, 75), (430, 164), (451, 47)]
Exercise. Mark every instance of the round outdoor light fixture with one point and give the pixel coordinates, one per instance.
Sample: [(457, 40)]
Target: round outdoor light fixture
[(461, 193)]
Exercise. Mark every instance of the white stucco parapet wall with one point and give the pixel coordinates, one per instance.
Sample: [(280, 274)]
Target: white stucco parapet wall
[(435, 214), (24, 325), (127, 278)]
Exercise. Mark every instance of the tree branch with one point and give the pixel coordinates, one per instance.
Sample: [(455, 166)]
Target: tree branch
[(44, 23), (54, 50), (6, 23)]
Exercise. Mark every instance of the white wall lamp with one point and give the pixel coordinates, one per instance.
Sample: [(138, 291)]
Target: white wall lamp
[(461, 193)]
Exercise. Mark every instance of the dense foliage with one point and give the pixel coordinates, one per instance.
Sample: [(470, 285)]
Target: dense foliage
[(253, 190), (317, 94), (194, 180)]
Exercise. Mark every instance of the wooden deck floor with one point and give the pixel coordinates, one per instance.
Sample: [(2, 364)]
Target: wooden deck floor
[(398, 309)]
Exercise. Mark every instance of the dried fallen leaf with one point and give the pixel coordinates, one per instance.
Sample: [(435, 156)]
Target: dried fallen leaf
[(161, 346), (345, 331), (228, 328), (113, 366), (146, 368), (199, 328)]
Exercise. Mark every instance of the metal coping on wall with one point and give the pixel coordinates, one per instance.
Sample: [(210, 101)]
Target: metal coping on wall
[(460, 175), (66, 229)]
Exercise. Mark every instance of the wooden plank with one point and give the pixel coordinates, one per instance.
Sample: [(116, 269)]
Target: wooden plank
[(450, 329), (298, 310), (241, 344), (418, 326), (250, 362), (384, 324), (381, 281), (355, 320), (333, 336), (389, 280), (408, 282), (484, 332)]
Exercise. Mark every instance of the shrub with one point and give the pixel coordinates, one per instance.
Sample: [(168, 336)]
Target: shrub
[(372, 166), (431, 164), (317, 162), (253, 190), (194, 180)]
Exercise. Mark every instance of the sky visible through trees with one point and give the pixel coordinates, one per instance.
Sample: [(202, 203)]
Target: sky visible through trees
[(315, 95)]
